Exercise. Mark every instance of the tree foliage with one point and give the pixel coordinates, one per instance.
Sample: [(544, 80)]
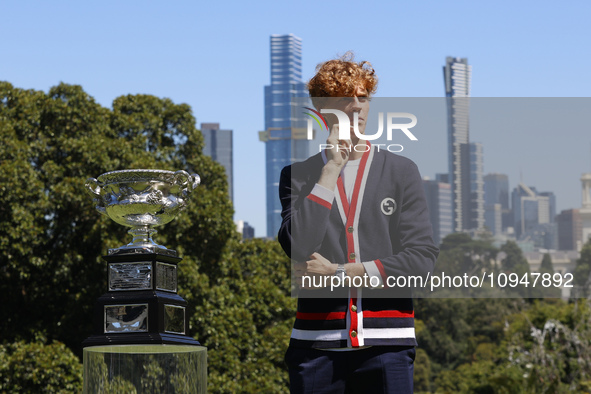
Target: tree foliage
[(461, 254), (35, 367), (502, 345), (514, 260), (246, 318), (582, 274), (505, 346), (546, 264)]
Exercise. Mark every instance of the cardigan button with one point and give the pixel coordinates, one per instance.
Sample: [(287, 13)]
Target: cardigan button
[(353, 308), (350, 229), (353, 334), (352, 256)]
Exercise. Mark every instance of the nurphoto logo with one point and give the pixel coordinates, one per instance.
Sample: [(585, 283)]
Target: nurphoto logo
[(345, 128)]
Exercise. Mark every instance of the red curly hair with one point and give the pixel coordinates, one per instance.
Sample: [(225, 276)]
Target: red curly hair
[(340, 78)]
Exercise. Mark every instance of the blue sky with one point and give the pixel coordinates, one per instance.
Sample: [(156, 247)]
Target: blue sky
[(215, 57)]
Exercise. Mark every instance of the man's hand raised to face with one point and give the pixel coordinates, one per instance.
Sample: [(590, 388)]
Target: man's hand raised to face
[(337, 156)]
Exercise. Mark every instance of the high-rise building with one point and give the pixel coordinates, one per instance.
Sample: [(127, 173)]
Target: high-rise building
[(438, 196), (245, 229), (531, 209), (476, 186), (570, 229), (493, 218), (465, 159), (551, 204), (444, 178), (496, 192), (284, 142), (585, 210), (219, 146)]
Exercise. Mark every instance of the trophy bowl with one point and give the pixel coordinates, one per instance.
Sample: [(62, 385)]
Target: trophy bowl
[(142, 199)]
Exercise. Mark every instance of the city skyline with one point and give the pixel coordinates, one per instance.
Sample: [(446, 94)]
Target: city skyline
[(114, 49)]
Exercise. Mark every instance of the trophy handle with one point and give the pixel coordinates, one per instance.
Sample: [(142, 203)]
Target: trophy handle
[(189, 182), (181, 177), (94, 188), (196, 181)]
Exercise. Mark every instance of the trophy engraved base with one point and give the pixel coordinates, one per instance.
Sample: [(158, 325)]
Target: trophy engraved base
[(142, 305)]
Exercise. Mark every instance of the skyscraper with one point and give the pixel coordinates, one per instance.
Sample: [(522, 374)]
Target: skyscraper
[(245, 229), (465, 159), (585, 211), (438, 195), (530, 209), (496, 190), (496, 202), (570, 229), (219, 145), (493, 218), (551, 205), (476, 186), (533, 216), (284, 144)]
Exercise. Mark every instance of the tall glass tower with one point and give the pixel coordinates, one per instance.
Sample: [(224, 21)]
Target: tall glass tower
[(465, 159), (285, 143)]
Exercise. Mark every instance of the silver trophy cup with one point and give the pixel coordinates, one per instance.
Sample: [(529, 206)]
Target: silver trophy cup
[(142, 200)]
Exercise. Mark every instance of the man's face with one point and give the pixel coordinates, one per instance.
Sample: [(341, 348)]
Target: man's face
[(359, 104)]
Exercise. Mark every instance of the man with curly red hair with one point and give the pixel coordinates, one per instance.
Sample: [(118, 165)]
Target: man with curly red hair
[(353, 212)]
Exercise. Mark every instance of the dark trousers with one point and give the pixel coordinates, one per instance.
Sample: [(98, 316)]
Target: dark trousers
[(378, 369)]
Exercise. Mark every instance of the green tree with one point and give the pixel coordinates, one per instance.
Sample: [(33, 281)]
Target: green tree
[(547, 271), (543, 347), (582, 272), (516, 264), (464, 257), (461, 254), (514, 260), (422, 372), (481, 377), (455, 240), (546, 264), (246, 318), (453, 329), (549, 343), (35, 368), (502, 345)]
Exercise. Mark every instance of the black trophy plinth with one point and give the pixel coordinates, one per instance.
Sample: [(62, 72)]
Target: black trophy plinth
[(142, 305)]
